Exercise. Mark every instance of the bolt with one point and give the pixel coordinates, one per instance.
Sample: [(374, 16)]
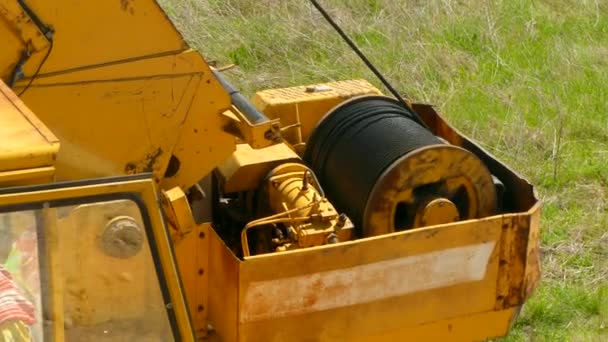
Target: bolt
[(269, 135), (341, 221), (332, 238)]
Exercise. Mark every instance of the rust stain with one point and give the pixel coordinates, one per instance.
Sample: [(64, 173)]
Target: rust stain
[(312, 297), (533, 271), (127, 6), (144, 165), (512, 286)]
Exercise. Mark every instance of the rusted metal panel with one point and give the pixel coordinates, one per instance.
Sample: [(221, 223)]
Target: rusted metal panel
[(533, 271), (371, 285), (519, 270), (519, 196)]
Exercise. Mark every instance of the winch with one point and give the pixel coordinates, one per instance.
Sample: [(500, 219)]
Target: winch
[(383, 167)]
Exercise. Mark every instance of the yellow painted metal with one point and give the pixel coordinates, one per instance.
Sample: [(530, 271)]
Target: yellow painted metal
[(256, 135), (168, 105), (88, 301), (454, 166), (298, 204), (55, 282), (300, 108), (519, 267), (524, 246), (246, 168), (21, 36), (13, 44), (437, 211), (224, 270), (293, 293), (30, 33), (331, 292), (290, 187), (26, 142), (192, 256), (177, 211), (107, 84), (477, 327), (147, 191), (39, 175), (90, 33)]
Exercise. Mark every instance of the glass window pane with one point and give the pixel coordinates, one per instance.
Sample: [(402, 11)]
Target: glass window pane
[(104, 275), (20, 289)]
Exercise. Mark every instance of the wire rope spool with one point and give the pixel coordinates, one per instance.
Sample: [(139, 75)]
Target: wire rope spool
[(389, 173)]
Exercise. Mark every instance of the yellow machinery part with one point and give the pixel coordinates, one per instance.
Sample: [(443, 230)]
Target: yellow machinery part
[(27, 144), (300, 108), (456, 168), (291, 187), (300, 206), (384, 168), (377, 287), (120, 88), (246, 168), (87, 35)]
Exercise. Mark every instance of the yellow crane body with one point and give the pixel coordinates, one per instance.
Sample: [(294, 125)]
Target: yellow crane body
[(23, 134), (163, 205)]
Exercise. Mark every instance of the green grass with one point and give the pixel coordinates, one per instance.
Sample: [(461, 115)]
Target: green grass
[(526, 79)]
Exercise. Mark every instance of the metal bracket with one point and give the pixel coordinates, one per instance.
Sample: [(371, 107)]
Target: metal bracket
[(258, 135), (30, 32), (178, 212)]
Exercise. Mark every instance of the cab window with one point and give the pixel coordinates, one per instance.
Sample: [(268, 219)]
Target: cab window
[(90, 265)]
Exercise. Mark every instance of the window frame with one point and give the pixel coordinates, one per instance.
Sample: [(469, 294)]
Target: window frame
[(139, 188)]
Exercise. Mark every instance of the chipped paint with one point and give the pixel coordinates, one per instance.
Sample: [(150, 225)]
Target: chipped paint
[(145, 165), (365, 283)]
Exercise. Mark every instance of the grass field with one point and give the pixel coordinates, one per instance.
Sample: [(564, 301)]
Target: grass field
[(527, 79)]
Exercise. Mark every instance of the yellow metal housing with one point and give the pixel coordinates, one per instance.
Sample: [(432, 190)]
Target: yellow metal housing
[(300, 108), (121, 89), (454, 167), (430, 283), (311, 220), (452, 281), (246, 168), (28, 149)]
